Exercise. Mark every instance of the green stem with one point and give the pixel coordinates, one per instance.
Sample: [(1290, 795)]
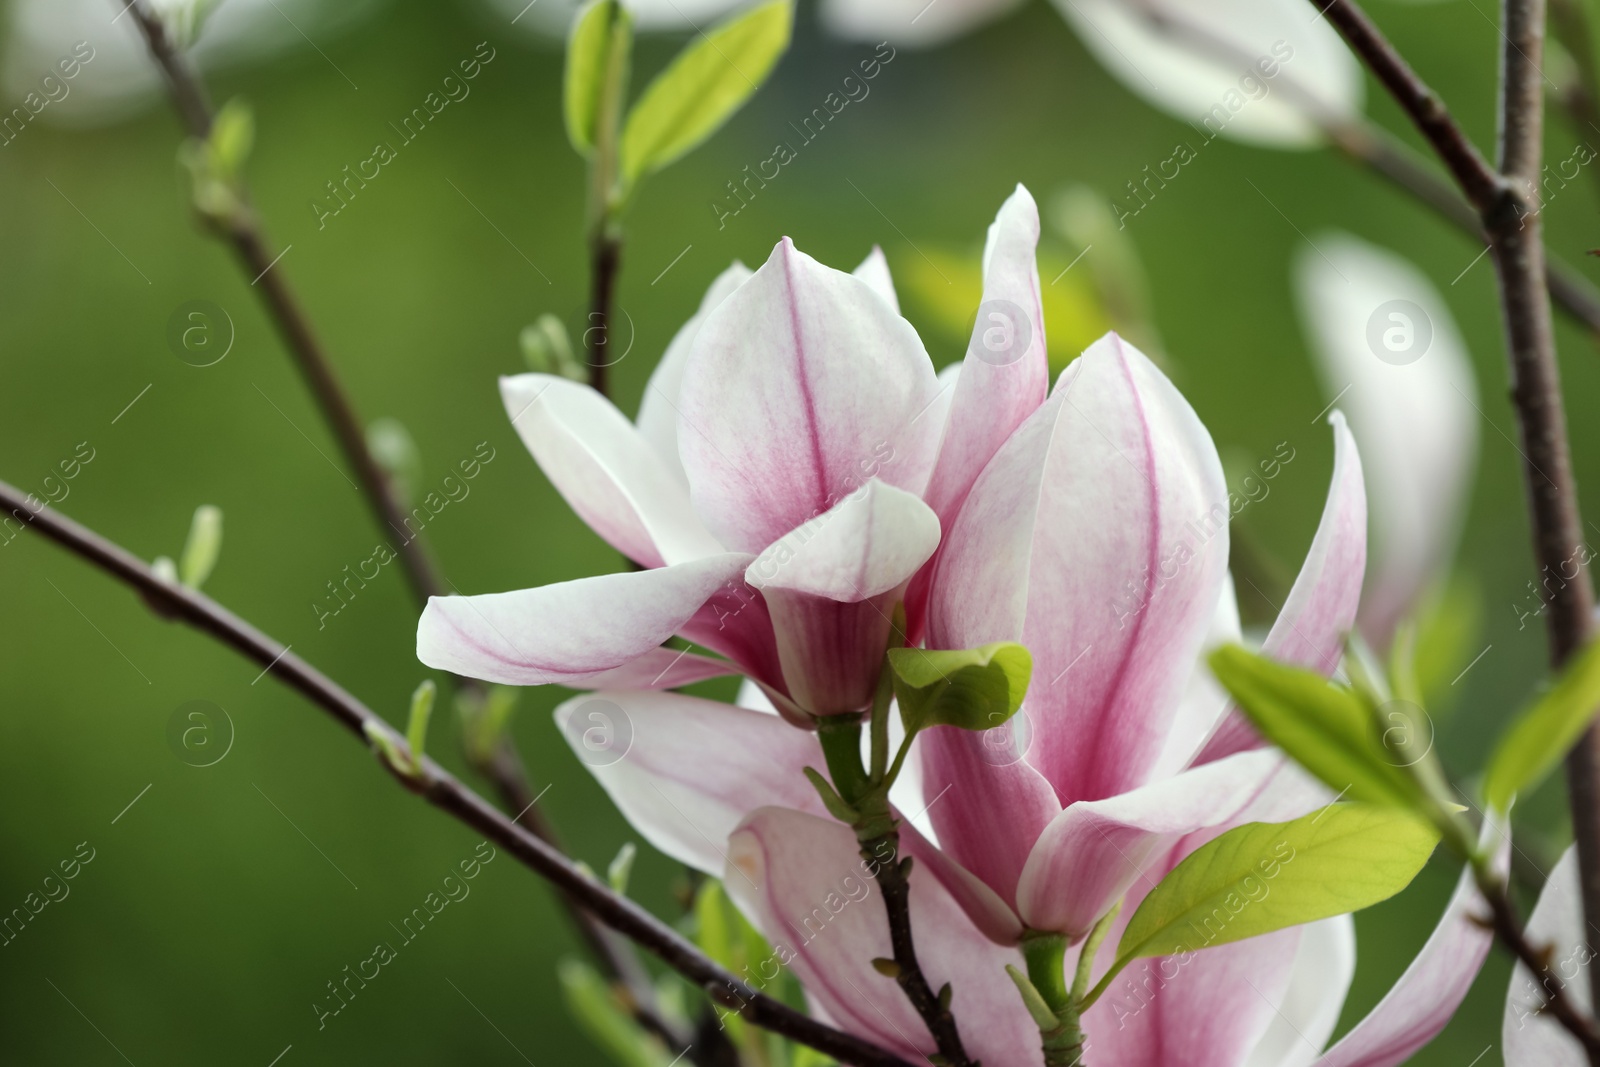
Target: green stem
[(1046, 956)]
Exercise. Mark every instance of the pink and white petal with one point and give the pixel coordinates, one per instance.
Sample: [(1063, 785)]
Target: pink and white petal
[(659, 668), (685, 772), (874, 270), (1413, 414), (831, 586), (1532, 1038), (1006, 372), (1103, 524), (658, 410), (1209, 1009), (605, 469), (1204, 702), (1095, 851), (735, 623), (909, 23), (1424, 998), (988, 912), (987, 804), (1321, 608), (560, 633), (801, 386), (803, 882), (1323, 967)]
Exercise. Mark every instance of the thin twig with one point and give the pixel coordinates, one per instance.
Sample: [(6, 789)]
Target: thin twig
[(1367, 143), (1507, 202), (1503, 917), (1483, 187), (1388, 156), (250, 244), (504, 767), (933, 1008), (607, 254), (444, 790)]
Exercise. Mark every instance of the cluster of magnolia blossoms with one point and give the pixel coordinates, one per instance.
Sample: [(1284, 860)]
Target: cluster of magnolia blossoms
[(797, 472)]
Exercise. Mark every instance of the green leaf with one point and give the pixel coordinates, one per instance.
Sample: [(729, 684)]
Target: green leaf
[(417, 721), (233, 134), (1262, 877), (597, 1012), (204, 545), (974, 688), (702, 88), (597, 57), (1540, 735), (1327, 728), (621, 869)]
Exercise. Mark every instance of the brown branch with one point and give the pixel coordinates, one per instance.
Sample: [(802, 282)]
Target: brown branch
[(893, 880), (503, 767), (442, 789), (250, 244), (1508, 928), (1391, 158), (1507, 202), (1374, 147), (1484, 188), (607, 254)]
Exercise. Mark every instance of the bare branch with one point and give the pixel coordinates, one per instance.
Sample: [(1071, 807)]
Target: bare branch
[(445, 791)]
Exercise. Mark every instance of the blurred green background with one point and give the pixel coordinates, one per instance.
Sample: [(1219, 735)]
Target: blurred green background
[(220, 904)]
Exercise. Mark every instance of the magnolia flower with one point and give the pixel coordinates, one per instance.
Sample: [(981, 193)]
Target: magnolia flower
[(1532, 1037), (1091, 525), (1388, 351), (776, 503)]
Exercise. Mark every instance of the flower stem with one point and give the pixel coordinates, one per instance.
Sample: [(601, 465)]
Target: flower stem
[(877, 832)]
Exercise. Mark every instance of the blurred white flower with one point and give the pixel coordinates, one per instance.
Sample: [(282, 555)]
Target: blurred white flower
[(1265, 72), (1387, 348), (120, 78)]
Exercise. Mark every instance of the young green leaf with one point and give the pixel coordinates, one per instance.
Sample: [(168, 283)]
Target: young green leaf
[(204, 545), (974, 688), (1262, 877), (1327, 728), (1540, 735), (597, 58), (417, 721), (702, 88)]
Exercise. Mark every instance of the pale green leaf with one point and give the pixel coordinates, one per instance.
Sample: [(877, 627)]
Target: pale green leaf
[(1540, 735), (974, 689), (204, 546), (597, 56), (704, 85), (1327, 728), (1262, 877)]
